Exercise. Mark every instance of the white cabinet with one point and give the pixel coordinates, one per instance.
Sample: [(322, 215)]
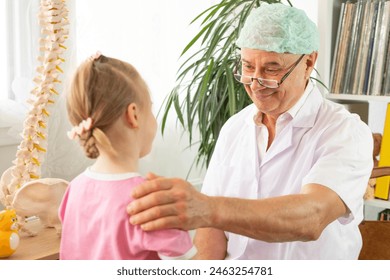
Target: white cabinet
[(384, 99), (373, 207)]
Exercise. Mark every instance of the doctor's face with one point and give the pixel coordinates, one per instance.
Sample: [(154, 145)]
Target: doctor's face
[(273, 66)]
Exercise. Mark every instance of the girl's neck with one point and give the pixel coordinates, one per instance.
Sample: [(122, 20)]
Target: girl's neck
[(105, 164)]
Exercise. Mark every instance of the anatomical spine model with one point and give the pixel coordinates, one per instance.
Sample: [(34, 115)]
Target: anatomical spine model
[(21, 188)]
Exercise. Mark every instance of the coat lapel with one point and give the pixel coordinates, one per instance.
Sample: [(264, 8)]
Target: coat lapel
[(305, 119), (280, 144)]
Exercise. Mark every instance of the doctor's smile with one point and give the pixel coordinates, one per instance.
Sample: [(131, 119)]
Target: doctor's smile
[(261, 95)]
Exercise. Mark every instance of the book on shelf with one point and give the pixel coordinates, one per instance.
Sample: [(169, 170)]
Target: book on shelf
[(362, 50), (370, 50), (336, 58), (355, 75), (381, 31), (383, 42), (386, 72), (386, 76), (342, 50), (370, 30), (350, 66)]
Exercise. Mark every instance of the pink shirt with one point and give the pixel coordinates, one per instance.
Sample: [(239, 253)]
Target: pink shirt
[(95, 224)]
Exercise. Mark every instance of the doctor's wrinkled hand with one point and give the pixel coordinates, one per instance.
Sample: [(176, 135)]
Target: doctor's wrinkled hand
[(169, 203)]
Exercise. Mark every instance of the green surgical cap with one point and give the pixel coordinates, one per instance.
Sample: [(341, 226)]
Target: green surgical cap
[(279, 28)]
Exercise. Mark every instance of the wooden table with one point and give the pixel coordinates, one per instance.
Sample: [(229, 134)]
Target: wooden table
[(44, 246)]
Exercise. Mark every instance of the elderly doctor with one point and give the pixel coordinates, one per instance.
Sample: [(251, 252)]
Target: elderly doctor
[(288, 175)]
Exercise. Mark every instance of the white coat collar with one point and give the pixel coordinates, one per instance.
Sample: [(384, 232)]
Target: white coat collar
[(305, 117), (307, 114), (304, 112)]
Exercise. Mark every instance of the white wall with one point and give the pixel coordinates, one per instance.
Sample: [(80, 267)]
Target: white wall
[(3, 54), (310, 7), (7, 153)]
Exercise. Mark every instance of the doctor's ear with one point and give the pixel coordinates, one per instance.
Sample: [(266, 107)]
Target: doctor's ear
[(310, 62), (132, 115)]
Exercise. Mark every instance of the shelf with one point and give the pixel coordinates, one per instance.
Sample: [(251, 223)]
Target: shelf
[(358, 97), (377, 203)]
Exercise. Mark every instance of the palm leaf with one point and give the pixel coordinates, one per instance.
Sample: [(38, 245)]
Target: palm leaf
[(206, 94)]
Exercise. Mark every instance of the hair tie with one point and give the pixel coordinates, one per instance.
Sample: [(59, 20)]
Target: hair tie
[(77, 131), (95, 56)]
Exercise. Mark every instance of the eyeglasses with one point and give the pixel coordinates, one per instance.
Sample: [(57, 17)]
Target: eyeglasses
[(248, 80)]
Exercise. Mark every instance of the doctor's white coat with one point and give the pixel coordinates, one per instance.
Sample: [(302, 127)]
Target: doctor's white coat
[(322, 144)]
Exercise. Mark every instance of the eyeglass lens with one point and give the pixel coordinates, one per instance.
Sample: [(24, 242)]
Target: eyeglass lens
[(247, 80)]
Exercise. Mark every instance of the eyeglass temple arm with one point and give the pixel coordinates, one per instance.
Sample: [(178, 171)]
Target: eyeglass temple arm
[(292, 68)]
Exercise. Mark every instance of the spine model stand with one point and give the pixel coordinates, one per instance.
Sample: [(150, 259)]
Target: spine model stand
[(21, 186)]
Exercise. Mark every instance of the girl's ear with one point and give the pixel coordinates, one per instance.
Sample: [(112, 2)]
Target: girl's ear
[(132, 115)]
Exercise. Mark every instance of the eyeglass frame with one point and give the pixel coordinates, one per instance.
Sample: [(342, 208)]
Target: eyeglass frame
[(260, 80)]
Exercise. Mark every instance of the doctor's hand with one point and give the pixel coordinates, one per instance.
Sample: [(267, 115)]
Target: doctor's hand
[(161, 203)]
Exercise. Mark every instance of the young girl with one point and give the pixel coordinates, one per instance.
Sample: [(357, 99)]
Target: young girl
[(110, 106)]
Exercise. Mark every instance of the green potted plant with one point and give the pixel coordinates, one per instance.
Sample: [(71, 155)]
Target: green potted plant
[(206, 94)]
